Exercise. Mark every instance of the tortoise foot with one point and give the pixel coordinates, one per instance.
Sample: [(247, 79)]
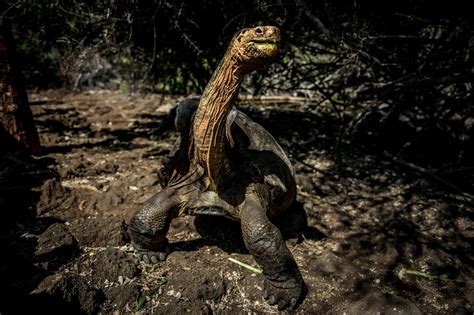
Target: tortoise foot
[(282, 293), (159, 253)]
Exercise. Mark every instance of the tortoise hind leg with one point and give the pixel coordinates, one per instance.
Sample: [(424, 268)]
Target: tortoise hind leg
[(149, 225), (283, 283)]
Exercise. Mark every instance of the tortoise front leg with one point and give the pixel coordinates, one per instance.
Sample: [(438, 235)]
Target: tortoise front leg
[(149, 225), (283, 282)]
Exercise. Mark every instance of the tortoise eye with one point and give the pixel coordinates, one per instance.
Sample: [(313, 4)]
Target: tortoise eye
[(258, 30)]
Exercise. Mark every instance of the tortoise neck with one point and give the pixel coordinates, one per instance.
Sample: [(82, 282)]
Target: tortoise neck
[(211, 115)]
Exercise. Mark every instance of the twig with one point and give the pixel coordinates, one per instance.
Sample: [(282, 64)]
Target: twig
[(152, 63), (280, 100), (459, 170), (46, 102), (4, 13), (314, 168), (184, 35), (429, 174), (440, 80), (427, 81), (403, 37), (241, 264), (412, 17), (322, 28)]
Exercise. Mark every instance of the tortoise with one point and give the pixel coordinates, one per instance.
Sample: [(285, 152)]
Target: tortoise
[(225, 164)]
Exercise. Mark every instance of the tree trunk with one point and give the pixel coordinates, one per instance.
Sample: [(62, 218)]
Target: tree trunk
[(17, 115)]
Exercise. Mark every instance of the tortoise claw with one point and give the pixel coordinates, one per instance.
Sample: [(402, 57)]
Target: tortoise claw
[(282, 304), (151, 257), (271, 300), (284, 294), (293, 302)]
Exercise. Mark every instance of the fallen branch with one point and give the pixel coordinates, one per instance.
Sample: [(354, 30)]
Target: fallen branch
[(314, 168), (276, 99), (426, 82), (430, 175), (46, 102)]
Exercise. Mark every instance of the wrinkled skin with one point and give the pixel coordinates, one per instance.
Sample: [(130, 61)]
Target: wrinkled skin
[(254, 183)]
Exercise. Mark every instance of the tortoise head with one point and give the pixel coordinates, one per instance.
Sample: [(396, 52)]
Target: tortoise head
[(255, 48)]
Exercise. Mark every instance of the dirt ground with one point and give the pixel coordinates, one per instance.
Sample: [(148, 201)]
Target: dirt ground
[(372, 235)]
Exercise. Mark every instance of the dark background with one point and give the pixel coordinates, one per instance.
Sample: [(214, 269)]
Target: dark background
[(396, 75)]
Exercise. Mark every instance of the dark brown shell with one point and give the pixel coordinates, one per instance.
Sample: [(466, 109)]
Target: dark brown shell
[(257, 155)]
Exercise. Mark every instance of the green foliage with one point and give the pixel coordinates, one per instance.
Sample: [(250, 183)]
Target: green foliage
[(443, 278), (144, 299)]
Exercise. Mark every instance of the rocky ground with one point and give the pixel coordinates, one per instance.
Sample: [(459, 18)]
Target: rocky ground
[(376, 236)]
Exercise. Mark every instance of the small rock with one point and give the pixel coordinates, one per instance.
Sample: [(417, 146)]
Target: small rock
[(304, 181), (379, 303), (69, 293), (75, 168), (211, 288), (308, 206), (121, 295), (104, 231), (111, 264), (56, 246), (103, 167), (329, 263), (53, 194), (110, 200), (198, 286), (148, 180), (465, 226)]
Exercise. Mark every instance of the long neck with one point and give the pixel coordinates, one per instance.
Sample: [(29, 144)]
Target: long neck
[(210, 119)]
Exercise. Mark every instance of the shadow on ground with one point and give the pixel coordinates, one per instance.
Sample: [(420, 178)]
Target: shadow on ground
[(366, 232)]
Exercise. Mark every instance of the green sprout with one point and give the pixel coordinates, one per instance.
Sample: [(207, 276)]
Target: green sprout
[(425, 275), (246, 266), (142, 301)]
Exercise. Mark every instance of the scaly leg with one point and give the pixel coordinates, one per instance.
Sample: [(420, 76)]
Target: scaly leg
[(283, 283), (149, 225)]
